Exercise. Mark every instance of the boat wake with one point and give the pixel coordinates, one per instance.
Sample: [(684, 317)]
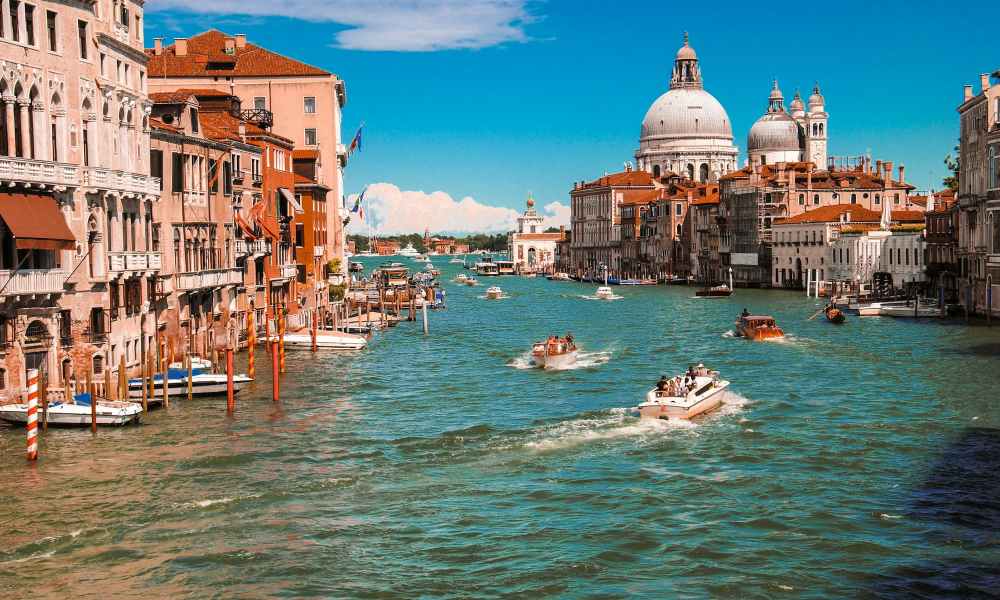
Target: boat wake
[(729, 334), (584, 360), (612, 297), (613, 424), (502, 297)]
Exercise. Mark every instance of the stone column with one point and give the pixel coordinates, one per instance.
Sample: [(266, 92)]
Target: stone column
[(25, 130), (11, 142), (41, 134)]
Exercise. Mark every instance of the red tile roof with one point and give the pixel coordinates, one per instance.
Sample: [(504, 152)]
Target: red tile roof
[(832, 214), (206, 57), (155, 123), (634, 197), (219, 125), (623, 179), (174, 97), (305, 154)]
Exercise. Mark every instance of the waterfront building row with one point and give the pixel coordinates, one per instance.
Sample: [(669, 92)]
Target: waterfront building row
[(133, 222)]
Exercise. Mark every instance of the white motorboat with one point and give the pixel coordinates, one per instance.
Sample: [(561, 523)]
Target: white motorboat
[(679, 401), (559, 277), (470, 281), (197, 362), (408, 251), (910, 309), (494, 293), (109, 412), (456, 261), (461, 278), (326, 340), (202, 384), (554, 353), (604, 293)]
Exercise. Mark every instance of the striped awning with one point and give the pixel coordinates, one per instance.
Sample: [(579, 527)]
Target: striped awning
[(290, 197)]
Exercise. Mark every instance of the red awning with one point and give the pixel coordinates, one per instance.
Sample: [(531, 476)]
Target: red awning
[(35, 222)]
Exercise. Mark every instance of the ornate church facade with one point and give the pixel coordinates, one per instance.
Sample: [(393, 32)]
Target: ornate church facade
[(798, 135)]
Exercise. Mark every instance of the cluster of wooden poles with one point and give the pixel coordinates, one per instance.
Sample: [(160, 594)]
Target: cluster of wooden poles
[(38, 388), (397, 304)]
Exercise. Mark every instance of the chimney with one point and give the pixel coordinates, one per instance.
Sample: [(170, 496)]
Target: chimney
[(180, 46), (878, 167), (241, 40), (887, 170), (984, 81), (158, 46), (230, 45), (809, 177), (562, 232), (902, 178), (968, 93)]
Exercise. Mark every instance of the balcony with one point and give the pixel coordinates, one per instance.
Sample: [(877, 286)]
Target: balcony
[(260, 117), (38, 172), (32, 282), (121, 262), (318, 251), (289, 271), (208, 279), (255, 247), (124, 181)]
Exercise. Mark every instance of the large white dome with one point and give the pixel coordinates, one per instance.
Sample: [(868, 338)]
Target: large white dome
[(685, 113)]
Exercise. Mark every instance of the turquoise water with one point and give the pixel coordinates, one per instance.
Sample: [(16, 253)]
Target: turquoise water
[(852, 461)]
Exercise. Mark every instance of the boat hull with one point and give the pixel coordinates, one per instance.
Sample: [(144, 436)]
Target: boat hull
[(76, 415), (202, 385), (689, 407), (554, 361), (326, 341), (760, 334)]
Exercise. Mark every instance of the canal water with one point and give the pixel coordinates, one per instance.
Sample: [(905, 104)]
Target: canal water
[(853, 461)]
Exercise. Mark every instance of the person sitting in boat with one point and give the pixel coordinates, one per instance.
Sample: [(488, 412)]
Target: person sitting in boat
[(745, 313), (662, 384), (569, 339)]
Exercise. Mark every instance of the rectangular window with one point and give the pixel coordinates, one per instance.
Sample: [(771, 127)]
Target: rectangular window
[(113, 294), (227, 179), (194, 120), (81, 34), (300, 234), (213, 168), (15, 25), (156, 237), (29, 24), (50, 26), (310, 137), (177, 172), (156, 165), (309, 105), (259, 102), (86, 146)]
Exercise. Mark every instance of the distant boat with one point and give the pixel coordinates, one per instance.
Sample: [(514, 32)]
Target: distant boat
[(408, 251), (494, 293), (604, 293), (559, 277)]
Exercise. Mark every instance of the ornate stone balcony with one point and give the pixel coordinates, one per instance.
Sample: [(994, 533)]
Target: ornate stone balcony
[(208, 279), (39, 172), (290, 271), (256, 247), (32, 282), (318, 251), (121, 262), (124, 181)]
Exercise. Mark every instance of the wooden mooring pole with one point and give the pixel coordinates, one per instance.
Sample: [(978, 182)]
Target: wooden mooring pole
[(275, 389), (230, 396), (93, 402)]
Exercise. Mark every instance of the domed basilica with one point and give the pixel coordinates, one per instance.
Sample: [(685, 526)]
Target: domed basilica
[(797, 137), (686, 131)]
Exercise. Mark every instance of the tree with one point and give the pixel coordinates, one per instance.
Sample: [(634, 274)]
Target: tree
[(954, 165)]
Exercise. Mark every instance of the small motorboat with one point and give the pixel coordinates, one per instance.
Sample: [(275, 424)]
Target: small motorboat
[(910, 309), (202, 384), (456, 261), (716, 291), (470, 281), (326, 340), (757, 327), (429, 268), (77, 414), (461, 278), (554, 353), (197, 362), (494, 293), (685, 396), (834, 314), (604, 293), (559, 277)]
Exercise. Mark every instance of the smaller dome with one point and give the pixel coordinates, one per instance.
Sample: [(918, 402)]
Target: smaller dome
[(774, 131), (775, 92), (686, 52), (816, 99), (796, 104)]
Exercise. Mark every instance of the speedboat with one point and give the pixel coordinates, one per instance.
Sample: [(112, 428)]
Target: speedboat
[(456, 261), (470, 281), (197, 362), (461, 278), (409, 251), (554, 353), (758, 327), (326, 340), (680, 400), (494, 293), (109, 412), (430, 269), (202, 384), (604, 293), (910, 309), (559, 277), (716, 291)]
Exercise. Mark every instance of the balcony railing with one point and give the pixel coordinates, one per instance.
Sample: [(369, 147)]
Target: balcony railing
[(207, 279), (27, 282), (29, 170), (289, 271), (318, 251), (134, 261), (121, 180), (255, 247), (261, 117)]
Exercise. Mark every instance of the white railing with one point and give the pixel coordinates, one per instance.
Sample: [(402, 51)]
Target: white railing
[(134, 261), (205, 279), (318, 251), (29, 170), (32, 281), (258, 247), (289, 271), (100, 177)]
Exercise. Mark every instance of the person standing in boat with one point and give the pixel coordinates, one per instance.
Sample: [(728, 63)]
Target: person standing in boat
[(662, 384), (569, 340)]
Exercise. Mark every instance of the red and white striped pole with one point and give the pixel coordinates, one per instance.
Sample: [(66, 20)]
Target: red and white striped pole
[(32, 426)]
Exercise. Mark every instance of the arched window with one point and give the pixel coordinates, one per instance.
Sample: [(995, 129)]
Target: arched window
[(656, 170), (854, 198), (690, 171), (816, 199), (98, 364), (704, 172), (802, 199), (36, 333), (67, 370), (821, 130), (678, 230)]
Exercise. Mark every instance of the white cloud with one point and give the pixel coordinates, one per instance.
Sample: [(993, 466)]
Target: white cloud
[(391, 211), (393, 25)]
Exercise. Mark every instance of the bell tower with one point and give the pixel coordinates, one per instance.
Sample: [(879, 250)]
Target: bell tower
[(816, 122)]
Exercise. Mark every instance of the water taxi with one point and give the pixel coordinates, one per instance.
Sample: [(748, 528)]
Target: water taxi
[(757, 327), (604, 293), (834, 314), (77, 414), (408, 251), (559, 277), (494, 293), (505, 267), (685, 396), (716, 291), (554, 353)]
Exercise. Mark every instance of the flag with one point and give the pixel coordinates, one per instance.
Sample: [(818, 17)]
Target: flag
[(247, 229), (356, 142), (358, 200), (361, 214)]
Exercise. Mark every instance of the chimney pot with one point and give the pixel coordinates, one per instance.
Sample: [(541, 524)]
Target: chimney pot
[(180, 46), (902, 178), (967, 93), (241, 40), (984, 81), (158, 46)]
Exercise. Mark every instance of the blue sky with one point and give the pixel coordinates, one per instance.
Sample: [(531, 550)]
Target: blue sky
[(492, 99)]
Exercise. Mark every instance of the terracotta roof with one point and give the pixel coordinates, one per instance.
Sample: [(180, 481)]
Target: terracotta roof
[(155, 123), (623, 179), (539, 236), (174, 97), (635, 197), (206, 57), (305, 153), (204, 92), (832, 214), (219, 125)]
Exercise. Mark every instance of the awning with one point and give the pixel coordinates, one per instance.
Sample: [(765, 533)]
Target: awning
[(290, 197), (35, 222)]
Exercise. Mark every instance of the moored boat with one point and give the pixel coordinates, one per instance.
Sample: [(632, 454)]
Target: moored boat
[(910, 309), (202, 384), (757, 327), (197, 362), (326, 340), (494, 293), (409, 250), (559, 277), (604, 293), (554, 353), (685, 396), (78, 414)]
